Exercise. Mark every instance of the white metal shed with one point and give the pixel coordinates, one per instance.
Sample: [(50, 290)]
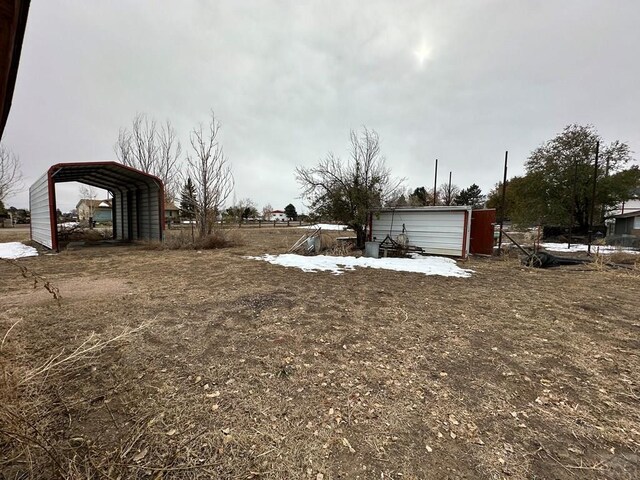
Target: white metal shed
[(441, 230), (137, 205)]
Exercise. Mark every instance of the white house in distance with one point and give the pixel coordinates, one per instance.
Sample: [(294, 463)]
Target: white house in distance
[(277, 216), (98, 210)]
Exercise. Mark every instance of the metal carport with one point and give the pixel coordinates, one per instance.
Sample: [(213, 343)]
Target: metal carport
[(138, 200)]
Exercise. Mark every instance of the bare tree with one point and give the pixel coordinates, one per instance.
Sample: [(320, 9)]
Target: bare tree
[(152, 150), (347, 191), (10, 174), (169, 151), (266, 212), (210, 172), (447, 193)]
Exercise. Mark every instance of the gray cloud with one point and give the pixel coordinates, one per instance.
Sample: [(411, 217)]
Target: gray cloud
[(289, 79)]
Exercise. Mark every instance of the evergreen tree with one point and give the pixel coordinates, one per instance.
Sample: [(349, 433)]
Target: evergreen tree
[(188, 201), (470, 196), (290, 212)]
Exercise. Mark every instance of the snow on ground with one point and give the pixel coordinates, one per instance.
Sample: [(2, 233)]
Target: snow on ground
[(445, 267), (68, 224), (16, 250), (326, 226), (562, 247)]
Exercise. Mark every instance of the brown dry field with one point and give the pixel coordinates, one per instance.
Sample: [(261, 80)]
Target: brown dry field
[(249, 370)]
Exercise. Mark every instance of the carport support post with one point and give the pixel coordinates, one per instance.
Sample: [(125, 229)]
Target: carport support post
[(502, 201)]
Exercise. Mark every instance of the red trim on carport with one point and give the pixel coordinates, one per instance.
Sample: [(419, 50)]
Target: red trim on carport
[(52, 193), (51, 187)]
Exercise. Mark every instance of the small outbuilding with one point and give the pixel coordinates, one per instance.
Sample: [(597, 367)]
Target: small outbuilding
[(453, 231), (627, 224), (137, 202)]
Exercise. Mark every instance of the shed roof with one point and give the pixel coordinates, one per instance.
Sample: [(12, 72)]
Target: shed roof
[(429, 208), (92, 203), (635, 213)]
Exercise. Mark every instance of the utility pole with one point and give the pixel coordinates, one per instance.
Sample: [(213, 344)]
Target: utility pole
[(435, 182), (593, 198), (449, 191), (573, 201), (503, 200)]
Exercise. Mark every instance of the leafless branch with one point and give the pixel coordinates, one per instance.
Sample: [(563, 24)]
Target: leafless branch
[(152, 150), (10, 174)]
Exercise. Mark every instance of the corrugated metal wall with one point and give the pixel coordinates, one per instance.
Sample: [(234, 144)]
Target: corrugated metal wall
[(40, 212), (155, 222), (141, 207), (438, 232)]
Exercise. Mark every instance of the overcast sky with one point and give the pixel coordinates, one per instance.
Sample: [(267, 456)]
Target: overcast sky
[(458, 81)]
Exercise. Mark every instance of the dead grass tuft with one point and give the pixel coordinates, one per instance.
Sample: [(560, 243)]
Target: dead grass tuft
[(625, 258), (35, 277), (31, 406)]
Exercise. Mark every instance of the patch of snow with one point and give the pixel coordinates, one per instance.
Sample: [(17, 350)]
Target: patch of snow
[(11, 250), (326, 226), (562, 247), (445, 267), (68, 224)]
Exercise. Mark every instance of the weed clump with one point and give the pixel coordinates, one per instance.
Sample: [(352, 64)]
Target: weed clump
[(185, 241)]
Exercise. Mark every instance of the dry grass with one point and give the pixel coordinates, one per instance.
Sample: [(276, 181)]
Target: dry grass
[(250, 370), (625, 258), (185, 239)]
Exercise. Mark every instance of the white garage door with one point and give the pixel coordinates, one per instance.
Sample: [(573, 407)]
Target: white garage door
[(436, 230)]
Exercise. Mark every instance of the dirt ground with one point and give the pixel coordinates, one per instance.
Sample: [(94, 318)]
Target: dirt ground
[(242, 369)]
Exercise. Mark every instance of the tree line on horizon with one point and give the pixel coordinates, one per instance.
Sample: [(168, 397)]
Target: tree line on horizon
[(556, 188)]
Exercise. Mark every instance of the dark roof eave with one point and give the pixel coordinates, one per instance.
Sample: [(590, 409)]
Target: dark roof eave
[(13, 20)]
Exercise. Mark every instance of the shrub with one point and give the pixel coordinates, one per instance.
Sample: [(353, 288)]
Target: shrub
[(184, 241)]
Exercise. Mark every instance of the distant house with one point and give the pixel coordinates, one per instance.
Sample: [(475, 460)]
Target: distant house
[(99, 210), (625, 207), (171, 213), (627, 223), (278, 216), (630, 206)]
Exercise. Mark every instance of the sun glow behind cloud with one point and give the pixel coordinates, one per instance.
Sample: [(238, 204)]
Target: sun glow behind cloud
[(422, 53)]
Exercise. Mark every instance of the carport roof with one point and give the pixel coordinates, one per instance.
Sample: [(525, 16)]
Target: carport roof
[(107, 175)]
